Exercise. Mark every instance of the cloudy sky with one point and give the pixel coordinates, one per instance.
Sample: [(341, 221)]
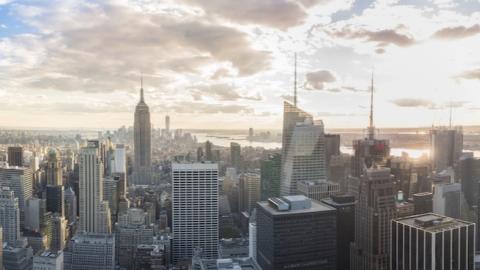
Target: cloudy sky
[(229, 64)]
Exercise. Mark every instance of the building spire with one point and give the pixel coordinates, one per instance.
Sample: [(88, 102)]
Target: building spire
[(371, 128), (141, 89), (295, 82)]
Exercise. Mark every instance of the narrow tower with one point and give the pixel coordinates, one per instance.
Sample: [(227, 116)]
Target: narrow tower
[(142, 140), (371, 128)]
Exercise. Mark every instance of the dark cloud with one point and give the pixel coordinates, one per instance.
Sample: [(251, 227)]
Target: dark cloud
[(470, 74), (280, 14), (381, 38), (317, 80), (457, 32), (222, 91), (114, 44)]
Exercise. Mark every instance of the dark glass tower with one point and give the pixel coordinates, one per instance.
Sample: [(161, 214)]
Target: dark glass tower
[(142, 141)]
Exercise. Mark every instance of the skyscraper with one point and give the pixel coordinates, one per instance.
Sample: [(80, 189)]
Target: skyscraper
[(374, 210), (447, 199), (270, 171), (235, 155), (431, 241), (15, 156), (446, 146), (9, 216), (305, 156), (70, 205), (167, 124), (91, 187), (120, 159), (208, 151), (249, 191), (142, 141), (195, 210), (294, 232), (20, 181), (469, 174), (54, 169)]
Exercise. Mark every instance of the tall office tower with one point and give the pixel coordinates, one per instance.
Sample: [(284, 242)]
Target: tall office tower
[(270, 171), (55, 199), (339, 169), (423, 203), (15, 156), (374, 210), (48, 260), (59, 232), (235, 156), (20, 181), (294, 232), (9, 216), (167, 124), (70, 205), (120, 159), (195, 210), (469, 175), (129, 233), (305, 157), (370, 150), (18, 257), (401, 168), (111, 195), (446, 146), (345, 206), (252, 235), (431, 241), (35, 209), (91, 187), (200, 155), (142, 142), (332, 146), (318, 190), (103, 218), (249, 187), (208, 151), (54, 168), (90, 251), (109, 163), (447, 199)]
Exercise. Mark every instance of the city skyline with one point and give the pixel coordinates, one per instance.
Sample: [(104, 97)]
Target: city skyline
[(205, 65)]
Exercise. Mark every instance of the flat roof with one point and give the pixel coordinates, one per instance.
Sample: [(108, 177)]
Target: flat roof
[(194, 166), (315, 207), (432, 222)]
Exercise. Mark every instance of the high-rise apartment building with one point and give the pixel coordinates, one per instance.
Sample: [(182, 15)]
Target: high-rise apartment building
[(270, 171), (9, 216), (303, 155), (446, 146), (195, 210), (431, 241), (142, 142), (15, 156), (20, 181), (374, 210), (294, 232)]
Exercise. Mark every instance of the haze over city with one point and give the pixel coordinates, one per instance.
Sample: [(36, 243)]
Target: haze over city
[(229, 64)]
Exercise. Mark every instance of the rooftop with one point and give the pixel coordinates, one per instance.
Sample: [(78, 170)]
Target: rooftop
[(296, 204), (433, 223)]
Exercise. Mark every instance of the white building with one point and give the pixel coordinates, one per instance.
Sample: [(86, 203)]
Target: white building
[(318, 190), (48, 261), (120, 159), (252, 236), (195, 210), (9, 216), (91, 189), (34, 211), (20, 180)]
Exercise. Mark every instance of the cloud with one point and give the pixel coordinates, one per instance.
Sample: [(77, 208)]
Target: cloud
[(201, 107), (413, 103), (280, 14), (221, 91), (381, 38), (115, 43), (457, 32), (318, 79), (473, 74)]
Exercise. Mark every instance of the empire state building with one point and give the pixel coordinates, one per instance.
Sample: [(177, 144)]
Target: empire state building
[(142, 139)]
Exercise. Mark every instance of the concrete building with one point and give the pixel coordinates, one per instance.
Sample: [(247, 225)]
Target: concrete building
[(374, 210), (295, 232), (431, 241), (318, 190), (53, 170), (48, 260), (17, 257), (90, 251), (227, 264), (236, 156), (270, 171), (9, 216), (447, 199), (249, 191), (70, 205), (150, 257), (59, 233), (15, 156), (446, 146), (423, 203), (120, 159), (195, 210), (20, 181)]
